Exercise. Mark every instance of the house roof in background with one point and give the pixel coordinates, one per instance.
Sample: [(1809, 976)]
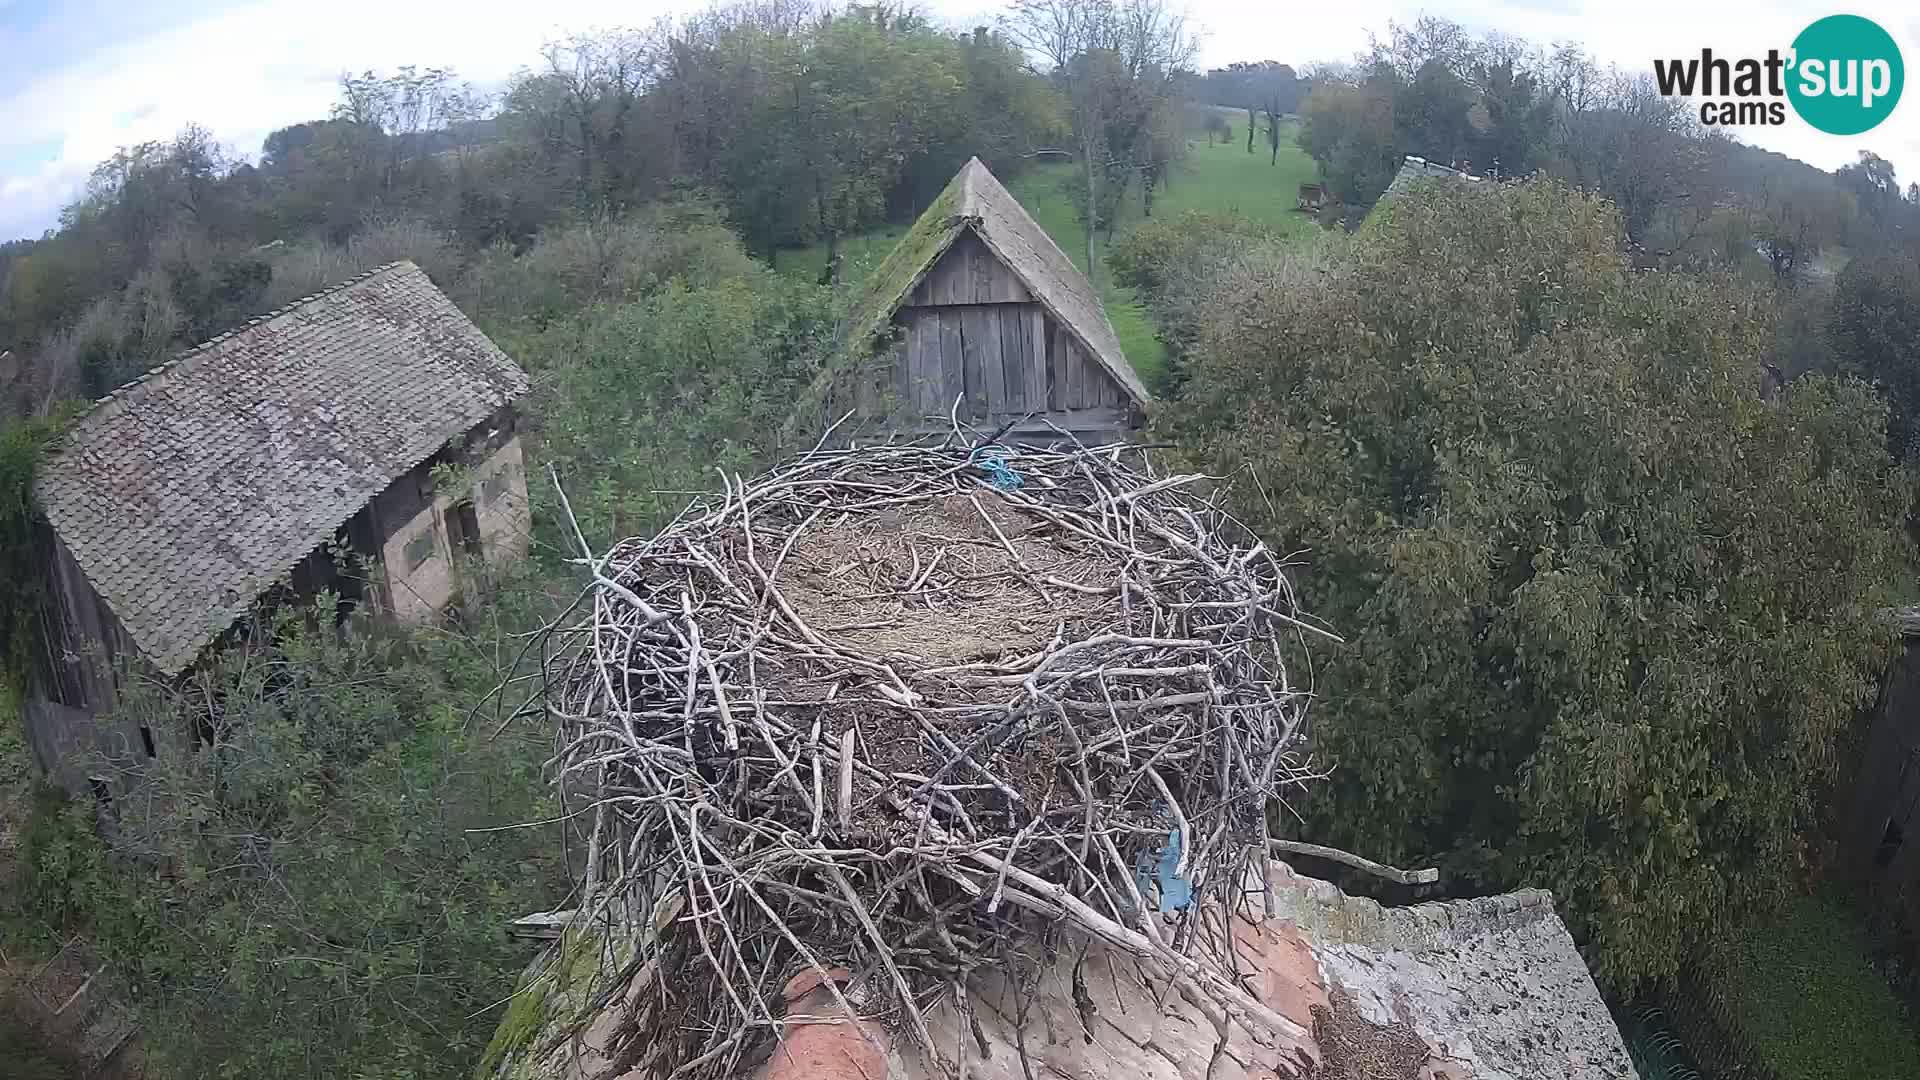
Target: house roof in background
[(1415, 169), (184, 494), (974, 199)]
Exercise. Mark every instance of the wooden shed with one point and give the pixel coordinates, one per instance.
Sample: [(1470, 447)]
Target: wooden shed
[(243, 472), (978, 317)]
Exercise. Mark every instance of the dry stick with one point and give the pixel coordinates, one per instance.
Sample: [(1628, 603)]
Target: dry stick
[(1008, 544), (846, 777), (885, 956), (819, 795), (1391, 873), (1179, 819), (1239, 1004)]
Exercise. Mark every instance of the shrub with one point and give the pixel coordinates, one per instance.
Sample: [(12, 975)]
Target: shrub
[(1179, 265), (1793, 984), (604, 261), (1874, 332), (307, 267), (1607, 609), (311, 880), (637, 403)]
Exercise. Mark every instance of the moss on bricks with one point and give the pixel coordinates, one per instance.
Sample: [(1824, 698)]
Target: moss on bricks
[(558, 990)]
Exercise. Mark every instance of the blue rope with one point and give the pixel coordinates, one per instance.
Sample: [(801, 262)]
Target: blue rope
[(999, 473)]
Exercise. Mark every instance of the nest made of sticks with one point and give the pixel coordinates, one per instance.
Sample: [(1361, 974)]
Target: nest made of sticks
[(900, 711)]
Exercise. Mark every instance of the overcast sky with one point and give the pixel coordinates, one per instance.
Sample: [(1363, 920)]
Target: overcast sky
[(79, 78)]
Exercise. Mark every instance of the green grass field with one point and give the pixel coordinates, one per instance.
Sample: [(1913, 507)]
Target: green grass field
[(1803, 992), (1217, 178)]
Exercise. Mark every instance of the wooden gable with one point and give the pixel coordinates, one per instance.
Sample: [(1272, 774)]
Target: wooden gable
[(971, 329), (968, 274)]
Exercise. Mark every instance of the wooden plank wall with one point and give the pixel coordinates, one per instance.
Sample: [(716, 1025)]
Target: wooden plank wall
[(72, 685), (1003, 359), (80, 638), (971, 329), (969, 274)]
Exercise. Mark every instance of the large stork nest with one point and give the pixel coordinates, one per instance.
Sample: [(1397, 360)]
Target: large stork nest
[(890, 713)]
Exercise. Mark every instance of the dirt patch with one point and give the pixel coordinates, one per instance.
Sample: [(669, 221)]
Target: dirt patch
[(932, 581), (1355, 1048)]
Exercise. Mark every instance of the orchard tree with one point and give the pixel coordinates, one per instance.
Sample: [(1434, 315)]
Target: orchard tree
[(1608, 611)]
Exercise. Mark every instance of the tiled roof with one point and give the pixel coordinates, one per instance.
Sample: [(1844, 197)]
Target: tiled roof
[(1493, 985), (184, 494), (1415, 169), (1491, 988)]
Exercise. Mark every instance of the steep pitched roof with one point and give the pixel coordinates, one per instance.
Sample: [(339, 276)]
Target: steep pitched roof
[(183, 494), (975, 200)]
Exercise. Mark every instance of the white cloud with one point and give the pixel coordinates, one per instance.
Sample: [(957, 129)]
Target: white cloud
[(257, 66)]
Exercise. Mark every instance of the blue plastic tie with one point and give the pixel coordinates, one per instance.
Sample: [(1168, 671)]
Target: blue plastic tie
[(1176, 892), (999, 474)]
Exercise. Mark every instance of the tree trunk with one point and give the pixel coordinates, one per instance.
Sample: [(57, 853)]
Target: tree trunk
[(1093, 215), (1253, 121), (830, 274), (1093, 219)]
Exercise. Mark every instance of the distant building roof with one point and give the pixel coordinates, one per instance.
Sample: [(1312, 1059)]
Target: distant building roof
[(183, 494), (1415, 169), (975, 200)]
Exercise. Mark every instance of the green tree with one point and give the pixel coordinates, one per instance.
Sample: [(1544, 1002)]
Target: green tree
[(1118, 65), (1874, 331), (1607, 609), (1348, 127)]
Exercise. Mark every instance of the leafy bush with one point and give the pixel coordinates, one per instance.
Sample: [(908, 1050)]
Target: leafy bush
[(638, 402), (306, 267), (1607, 609), (605, 261), (22, 445), (1180, 264), (300, 890)]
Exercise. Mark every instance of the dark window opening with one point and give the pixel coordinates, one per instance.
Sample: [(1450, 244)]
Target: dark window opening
[(463, 529), (146, 740), (1889, 845)]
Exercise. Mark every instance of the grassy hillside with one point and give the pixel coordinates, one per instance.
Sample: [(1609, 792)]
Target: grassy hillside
[(1217, 178)]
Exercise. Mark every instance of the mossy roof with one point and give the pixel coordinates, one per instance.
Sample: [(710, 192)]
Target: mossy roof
[(975, 200)]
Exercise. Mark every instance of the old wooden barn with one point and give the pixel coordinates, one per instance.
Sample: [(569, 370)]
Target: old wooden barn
[(978, 317), (294, 455)]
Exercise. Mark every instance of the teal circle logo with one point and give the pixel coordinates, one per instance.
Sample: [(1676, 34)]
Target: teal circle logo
[(1846, 75)]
